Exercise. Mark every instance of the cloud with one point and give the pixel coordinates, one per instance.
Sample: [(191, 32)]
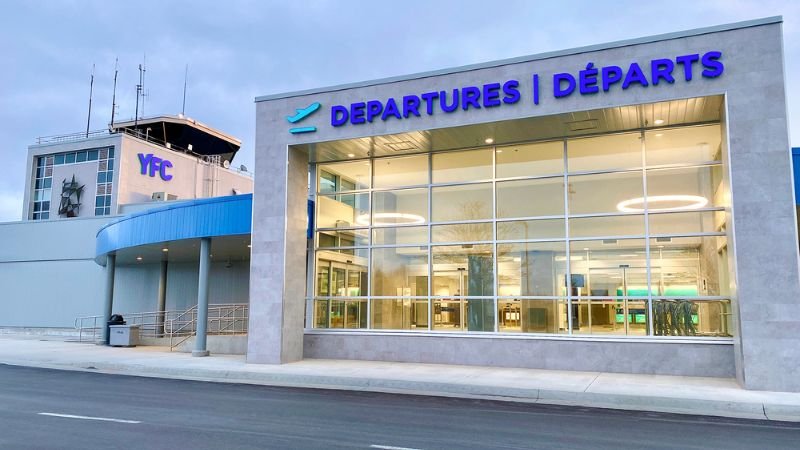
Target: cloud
[(10, 206)]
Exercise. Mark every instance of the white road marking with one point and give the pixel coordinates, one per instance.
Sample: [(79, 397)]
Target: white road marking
[(105, 419), (389, 447)]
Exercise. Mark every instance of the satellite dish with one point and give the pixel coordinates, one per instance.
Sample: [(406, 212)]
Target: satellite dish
[(226, 164)]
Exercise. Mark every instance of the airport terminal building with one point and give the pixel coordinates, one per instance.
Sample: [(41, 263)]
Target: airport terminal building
[(624, 207)]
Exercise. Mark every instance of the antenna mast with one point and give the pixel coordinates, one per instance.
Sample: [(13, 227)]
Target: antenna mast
[(185, 80), (114, 94), (138, 94), (91, 87), (144, 73)]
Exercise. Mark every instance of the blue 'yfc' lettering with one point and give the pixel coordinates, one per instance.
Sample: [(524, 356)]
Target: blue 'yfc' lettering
[(150, 165)]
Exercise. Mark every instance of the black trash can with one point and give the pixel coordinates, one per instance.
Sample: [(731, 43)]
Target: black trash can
[(116, 319)]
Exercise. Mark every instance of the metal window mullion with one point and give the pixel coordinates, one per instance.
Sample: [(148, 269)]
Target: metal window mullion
[(430, 238), (568, 271), (371, 208), (495, 268), (648, 268)]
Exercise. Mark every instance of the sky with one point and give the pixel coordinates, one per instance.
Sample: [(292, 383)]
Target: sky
[(238, 50)]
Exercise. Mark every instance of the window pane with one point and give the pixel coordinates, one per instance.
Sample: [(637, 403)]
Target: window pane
[(343, 238), (401, 207), (344, 176), (59, 159), (69, 158), (81, 156), (684, 145), (99, 201), (610, 317), (685, 189), (466, 202), (531, 229), (479, 314), (101, 177), (606, 226), (92, 155), (532, 269), (471, 165), (404, 171), (687, 222), (48, 183), (530, 198), (608, 268), (342, 210), (532, 316), (619, 151), (401, 272), (603, 193), (400, 235), (448, 314), (399, 314), (526, 160), (45, 215), (680, 317), (463, 270), (689, 266), (322, 313), (466, 232), (110, 152)]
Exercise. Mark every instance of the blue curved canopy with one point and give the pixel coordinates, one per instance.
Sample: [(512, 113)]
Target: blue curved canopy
[(208, 217)]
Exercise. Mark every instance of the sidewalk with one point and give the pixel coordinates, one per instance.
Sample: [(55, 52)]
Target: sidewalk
[(687, 395)]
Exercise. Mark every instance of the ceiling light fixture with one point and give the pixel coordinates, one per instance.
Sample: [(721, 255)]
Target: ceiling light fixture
[(138, 258), (489, 140), (351, 155), (379, 219), (637, 204), (164, 249), (658, 121)]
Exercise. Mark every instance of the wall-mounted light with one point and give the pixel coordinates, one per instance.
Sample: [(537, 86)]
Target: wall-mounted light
[(489, 140)]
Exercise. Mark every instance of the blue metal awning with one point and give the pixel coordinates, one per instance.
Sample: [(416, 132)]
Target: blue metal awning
[(193, 219)]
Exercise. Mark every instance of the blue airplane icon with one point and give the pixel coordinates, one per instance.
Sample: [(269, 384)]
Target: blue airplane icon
[(302, 113)]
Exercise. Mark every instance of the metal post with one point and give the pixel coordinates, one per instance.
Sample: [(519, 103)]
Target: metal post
[(162, 298), (202, 298), (109, 295)]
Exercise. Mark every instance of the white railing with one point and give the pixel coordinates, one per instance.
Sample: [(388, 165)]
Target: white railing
[(177, 325)]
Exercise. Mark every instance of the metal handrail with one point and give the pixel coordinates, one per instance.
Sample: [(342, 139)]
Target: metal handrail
[(230, 319)]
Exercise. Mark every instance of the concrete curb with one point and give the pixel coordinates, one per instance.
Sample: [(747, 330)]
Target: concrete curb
[(694, 406)]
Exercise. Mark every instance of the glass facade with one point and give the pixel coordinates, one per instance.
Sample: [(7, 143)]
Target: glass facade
[(620, 234)]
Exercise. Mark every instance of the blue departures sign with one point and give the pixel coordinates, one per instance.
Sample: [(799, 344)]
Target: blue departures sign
[(589, 81), (150, 165)]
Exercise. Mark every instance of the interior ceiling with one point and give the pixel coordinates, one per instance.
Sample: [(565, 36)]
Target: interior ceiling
[(607, 120)]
